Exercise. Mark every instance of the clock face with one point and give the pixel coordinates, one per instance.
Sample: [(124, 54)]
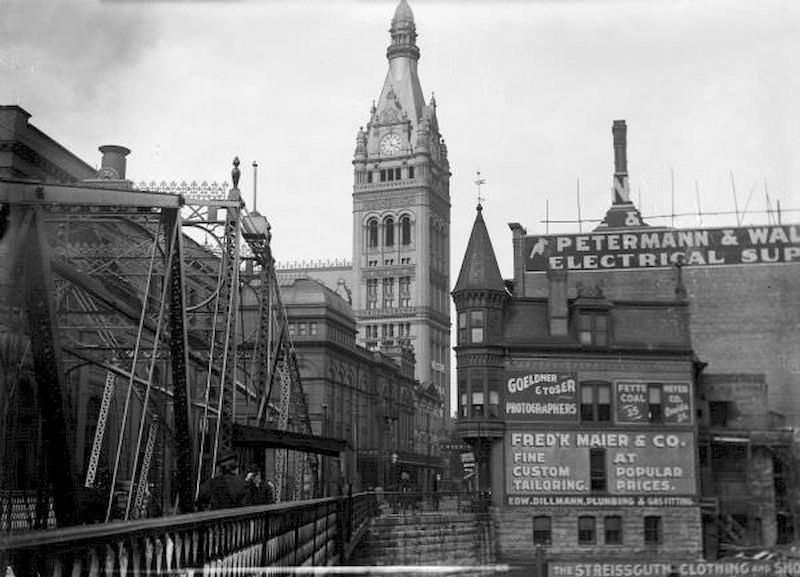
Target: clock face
[(390, 144)]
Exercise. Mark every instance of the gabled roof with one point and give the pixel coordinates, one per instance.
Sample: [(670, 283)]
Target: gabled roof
[(479, 269)]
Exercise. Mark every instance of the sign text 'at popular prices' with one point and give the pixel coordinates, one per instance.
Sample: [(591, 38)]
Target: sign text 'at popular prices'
[(663, 248), (654, 463)]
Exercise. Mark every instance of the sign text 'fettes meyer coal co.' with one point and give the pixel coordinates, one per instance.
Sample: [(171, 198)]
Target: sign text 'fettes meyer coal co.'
[(541, 396), (663, 248), (635, 398)]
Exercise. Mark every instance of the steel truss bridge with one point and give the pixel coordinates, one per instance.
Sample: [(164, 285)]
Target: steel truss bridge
[(142, 335)]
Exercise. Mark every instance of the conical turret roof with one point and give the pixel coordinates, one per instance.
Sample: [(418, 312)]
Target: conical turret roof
[(479, 270), (403, 13)]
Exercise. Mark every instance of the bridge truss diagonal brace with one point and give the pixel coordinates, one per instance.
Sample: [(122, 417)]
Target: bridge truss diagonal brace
[(37, 281)]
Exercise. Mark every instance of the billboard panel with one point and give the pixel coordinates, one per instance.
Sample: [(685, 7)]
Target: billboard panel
[(541, 396), (633, 402), (627, 464), (647, 248)]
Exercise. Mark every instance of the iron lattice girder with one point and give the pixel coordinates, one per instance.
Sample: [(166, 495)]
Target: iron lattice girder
[(101, 273), (34, 193)]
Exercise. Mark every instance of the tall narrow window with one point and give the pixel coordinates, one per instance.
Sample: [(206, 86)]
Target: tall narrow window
[(587, 402), (388, 232), (477, 404), (411, 172), (369, 176), (613, 530), (595, 402), (542, 530), (397, 173), (587, 532), (372, 233), (405, 231), (494, 396), (388, 293), (404, 285), (383, 175), (476, 326), (597, 470), (462, 328), (654, 403), (372, 293), (652, 530), (603, 402)]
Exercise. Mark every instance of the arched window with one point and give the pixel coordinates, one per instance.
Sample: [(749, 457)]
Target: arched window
[(388, 231), (372, 233), (405, 231)]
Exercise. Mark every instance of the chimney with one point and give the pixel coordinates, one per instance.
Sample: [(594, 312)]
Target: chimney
[(621, 192), (557, 302), (112, 166)]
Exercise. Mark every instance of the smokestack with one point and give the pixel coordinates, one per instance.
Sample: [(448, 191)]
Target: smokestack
[(557, 302), (112, 165), (621, 192)]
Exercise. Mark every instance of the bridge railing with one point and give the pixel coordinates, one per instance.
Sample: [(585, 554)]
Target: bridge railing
[(314, 532)]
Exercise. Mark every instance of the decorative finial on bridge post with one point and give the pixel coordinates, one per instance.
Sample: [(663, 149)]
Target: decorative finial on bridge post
[(235, 173)]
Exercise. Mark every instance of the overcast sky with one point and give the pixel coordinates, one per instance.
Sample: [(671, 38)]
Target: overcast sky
[(526, 91)]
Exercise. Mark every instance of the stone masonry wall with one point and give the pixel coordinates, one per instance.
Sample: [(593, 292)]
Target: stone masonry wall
[(681, 534)]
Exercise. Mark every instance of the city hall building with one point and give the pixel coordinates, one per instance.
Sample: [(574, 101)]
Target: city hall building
[(615, 390)]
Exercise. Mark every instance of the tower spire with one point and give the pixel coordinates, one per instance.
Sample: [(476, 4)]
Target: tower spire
[(404, 33)]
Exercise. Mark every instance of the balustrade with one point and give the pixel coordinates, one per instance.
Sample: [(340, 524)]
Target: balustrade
[(315, 532)]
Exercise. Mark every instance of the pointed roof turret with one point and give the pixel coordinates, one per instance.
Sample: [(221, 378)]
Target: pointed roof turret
[(479, 270), (401, 103), (403, 13), (404, 33)]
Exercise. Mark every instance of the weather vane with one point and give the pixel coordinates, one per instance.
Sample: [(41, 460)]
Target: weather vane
[(479, 181)]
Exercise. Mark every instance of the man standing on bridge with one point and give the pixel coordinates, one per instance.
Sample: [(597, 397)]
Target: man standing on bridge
[(227, 489)]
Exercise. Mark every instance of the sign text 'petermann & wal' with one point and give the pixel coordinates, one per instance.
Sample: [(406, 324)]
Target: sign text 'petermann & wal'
[(663, 248)]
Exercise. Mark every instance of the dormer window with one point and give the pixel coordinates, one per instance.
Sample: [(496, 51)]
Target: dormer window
[(593, 327)]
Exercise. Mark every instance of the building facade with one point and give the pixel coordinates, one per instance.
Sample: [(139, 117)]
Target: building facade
[(587, 386), (748, 466), (369, 399), (401, 218)]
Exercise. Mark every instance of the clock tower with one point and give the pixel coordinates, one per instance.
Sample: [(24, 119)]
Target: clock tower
[(401, 219)]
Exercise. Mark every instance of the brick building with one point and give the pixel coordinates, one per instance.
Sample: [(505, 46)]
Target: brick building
[(588, 385), (369, 399), (747, 466)]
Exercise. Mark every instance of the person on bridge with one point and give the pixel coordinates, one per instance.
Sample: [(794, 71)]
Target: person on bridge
[(258, 492), (227, 489)]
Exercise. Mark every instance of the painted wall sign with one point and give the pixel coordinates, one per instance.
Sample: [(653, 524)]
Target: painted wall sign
[(541, 396), (632, 405), (721, 568), (632, 402), (551, 464), (663, 248), (676, 399)]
